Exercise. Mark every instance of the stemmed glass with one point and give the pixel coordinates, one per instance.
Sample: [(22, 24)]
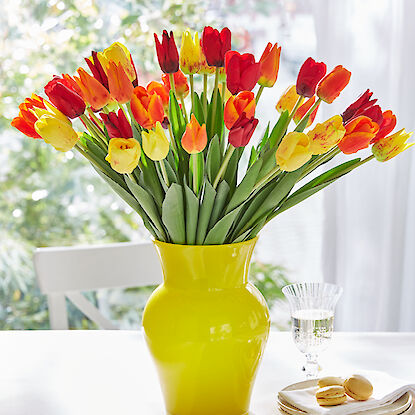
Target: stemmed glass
[(312, 316)]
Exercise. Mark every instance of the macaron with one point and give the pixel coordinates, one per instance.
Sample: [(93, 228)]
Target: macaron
[(331, 395), (358, 387), (330, 381)]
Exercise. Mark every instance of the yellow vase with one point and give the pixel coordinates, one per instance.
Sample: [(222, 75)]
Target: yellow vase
[(206, 327)]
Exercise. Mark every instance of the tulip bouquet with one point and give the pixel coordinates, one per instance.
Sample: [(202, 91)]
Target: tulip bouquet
[(174, 154)]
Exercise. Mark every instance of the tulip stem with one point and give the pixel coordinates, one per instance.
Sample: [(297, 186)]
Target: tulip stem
[(164, 172), (259, 93), (194, 164), (205, 82), (224, 165), (294, 110), (371, 157), (96, 119), (215, 98), (87, 156), (93, 130), (267, 177), (320, 160), (306, 116), (223, 92), (184, 109), (173, 144), (172, 85), (192, 91)]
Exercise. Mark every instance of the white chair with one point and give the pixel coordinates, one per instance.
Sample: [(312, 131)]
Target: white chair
[(67, 271)]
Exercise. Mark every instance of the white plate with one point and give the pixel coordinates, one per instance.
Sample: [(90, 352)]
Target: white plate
[(403, 404)]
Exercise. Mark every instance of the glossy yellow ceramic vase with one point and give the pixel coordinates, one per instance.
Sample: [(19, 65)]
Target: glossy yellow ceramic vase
[(206, 327)]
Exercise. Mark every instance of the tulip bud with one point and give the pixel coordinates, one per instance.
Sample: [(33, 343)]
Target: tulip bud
[(236, 105), (293, 151), (242, 130), (190, 53), (123, 154), (242, 72), (64, 97), (167, 54), (388, 147), (119, 84), (155, 143), (333, 83), (287, 100), (147, 108), (215, 45), (180, 83), (326, 135), (269, 65), (309, 76), (56, 132), (117, 125), (194, 139), (359, 133)]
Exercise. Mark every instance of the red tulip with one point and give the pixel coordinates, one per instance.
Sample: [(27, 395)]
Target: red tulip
[(360, 105), (309, 76), (117, 124), (241, 132), (386, 127), (64, 97), (333, 83), (167, 53), (242, 72), (215, 45), (97, 70)]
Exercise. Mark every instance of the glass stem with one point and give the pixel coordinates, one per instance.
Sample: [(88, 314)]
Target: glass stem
[(311, 367)]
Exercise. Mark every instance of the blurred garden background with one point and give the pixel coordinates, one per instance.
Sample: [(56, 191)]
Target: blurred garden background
[(52, 199)]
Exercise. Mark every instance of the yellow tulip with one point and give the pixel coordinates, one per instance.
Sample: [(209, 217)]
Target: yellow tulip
[(389, 147), (120, 55), (155, 143), (326, 135), (190, 53), (287, 100), (123, 154), (293, 152), (59, 134)]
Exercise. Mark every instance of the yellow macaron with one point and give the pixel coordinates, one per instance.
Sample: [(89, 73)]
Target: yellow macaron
[(331, 395), (358, 387), (330, 381)]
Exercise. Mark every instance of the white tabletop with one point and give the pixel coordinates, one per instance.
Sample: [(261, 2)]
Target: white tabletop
[(111, 373)]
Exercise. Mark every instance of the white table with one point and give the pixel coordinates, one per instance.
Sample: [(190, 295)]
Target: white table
[(111, 373)]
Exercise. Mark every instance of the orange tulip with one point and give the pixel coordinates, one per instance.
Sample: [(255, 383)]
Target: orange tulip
[(194, 139), (92, 91), (269, 65), (147, 108), (25, 121), (119, 84), (158, 88), (333, 83), (236, 105), (387, 125), (359, 133), (180, 83), (303, 109)]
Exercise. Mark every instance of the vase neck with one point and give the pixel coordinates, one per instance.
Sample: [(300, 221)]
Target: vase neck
[(201, 267)]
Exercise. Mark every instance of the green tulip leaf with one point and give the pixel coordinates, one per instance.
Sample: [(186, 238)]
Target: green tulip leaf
[(205, 212), (172, 214)]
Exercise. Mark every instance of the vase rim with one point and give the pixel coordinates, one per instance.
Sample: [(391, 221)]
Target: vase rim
[(249, 241)]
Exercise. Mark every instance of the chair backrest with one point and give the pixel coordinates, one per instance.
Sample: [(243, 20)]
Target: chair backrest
[(67, 271)]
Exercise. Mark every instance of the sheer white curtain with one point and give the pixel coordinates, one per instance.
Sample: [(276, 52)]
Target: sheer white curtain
[(369, 228)]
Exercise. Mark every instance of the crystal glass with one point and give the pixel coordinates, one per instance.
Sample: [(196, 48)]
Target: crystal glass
[(312, 316)]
